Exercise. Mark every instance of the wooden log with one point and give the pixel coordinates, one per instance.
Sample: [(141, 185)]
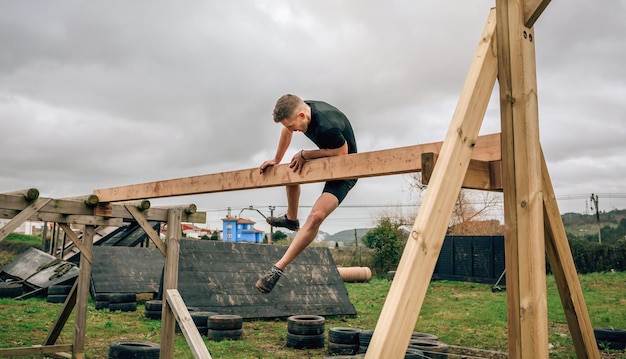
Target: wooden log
[(34, 350), (82, 294), (170, 281), (29, 194), (358, 165)]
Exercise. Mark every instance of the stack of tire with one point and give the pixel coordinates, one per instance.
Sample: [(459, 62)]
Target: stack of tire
[(135, 349), (11, 289), (305, 331), (343, 341), (58, 293), (153, 309), (123, 302), (101, 301), (421, 345), (365, 336), (610, 338), (224, 326)]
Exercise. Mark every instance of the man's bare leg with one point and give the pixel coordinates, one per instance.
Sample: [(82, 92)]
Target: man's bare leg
[(293, 201), (323, 207)]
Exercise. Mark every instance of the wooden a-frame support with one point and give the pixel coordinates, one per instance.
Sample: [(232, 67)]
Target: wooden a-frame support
[(89, 211)]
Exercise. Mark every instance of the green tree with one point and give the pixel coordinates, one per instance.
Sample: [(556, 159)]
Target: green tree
[(215, 236), (279, 236), (387, 240)]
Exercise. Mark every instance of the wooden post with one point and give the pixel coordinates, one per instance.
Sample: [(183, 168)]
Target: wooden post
[(523, 201), (409, 286), (82, 294), (170, 280)]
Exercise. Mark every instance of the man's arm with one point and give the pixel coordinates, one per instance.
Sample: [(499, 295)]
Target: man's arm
[(283, 145), (325, 152)]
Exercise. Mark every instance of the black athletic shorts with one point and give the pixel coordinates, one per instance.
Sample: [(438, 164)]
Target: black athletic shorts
[(339, 188)]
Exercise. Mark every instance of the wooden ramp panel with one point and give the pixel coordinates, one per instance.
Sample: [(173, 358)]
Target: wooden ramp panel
[(220, 277)]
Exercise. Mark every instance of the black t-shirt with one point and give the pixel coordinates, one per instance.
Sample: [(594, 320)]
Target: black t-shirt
[(329, 128)]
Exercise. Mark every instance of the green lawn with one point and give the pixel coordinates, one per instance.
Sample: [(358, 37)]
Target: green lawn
[(463, 315)]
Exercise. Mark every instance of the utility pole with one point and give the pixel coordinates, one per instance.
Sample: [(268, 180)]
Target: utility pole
[(594, 203), (270, 240)]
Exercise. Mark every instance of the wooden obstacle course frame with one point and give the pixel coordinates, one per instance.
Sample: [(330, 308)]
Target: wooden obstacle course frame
[(533, 224)]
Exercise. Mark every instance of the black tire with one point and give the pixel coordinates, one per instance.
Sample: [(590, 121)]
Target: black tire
[(101, 304), (152, 314), (201, 319), (424, 336), (341, 335), (431, 348), (193, 309), (412, 353), (59, 289), (154, 305), (219, 335), (134, 349), (122, 298), (224, 322), (362, 349), (56, 298), (123, 307), (305, 341), (610, 338), (365, 336), (11, 289), (391, 274), (203, 330), (306, 324), (102, 297), (342, 349)]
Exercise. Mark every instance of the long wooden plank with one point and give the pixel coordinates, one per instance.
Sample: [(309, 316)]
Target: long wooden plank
[(76, 212), (523, 203), (408, 289), (566, 278), (170, 281), (366, 164), (143, 222), (187, 326), (34, 350), (61, 319), (77, 242), (82, 294), (532, 10), (481, 175)]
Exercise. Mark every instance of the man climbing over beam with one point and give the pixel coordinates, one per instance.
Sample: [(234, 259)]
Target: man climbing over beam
[(332, 132)]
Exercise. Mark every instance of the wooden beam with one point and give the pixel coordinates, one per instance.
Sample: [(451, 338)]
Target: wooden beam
[(88, 255), (481, 175), (141, 220), (82, 295), (170, 281), (565, 276), (187, 326), (22, 216), (366, 164), (29, 194), (523, 202), (64, 314), (408, 289), (532, 10), (77, 212), (34, 350)]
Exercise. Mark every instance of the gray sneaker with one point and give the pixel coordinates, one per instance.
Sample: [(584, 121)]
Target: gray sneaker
[(284, 222), (268, 281)]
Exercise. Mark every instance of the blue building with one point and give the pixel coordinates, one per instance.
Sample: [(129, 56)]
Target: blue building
[(240, 230)]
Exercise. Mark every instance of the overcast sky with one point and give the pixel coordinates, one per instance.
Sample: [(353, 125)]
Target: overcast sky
[(96, 94)]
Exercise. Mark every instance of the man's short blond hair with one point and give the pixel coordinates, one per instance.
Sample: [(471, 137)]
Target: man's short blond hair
[(286, 106)]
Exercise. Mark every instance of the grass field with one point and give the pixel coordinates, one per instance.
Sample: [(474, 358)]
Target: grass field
[(469, 317)]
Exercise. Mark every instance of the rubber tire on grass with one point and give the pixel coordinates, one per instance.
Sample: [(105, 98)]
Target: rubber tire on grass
[(101, 304), (122, 298), (154, 305), (365, 336), (134, 349), (153, 314), (610, 338), (123, 307), (59, 289), (306, 324), (224, 322), (201, 319), (11, 289), (305, 341), (431, 348), (56, 298), (413, 353), (102, 297), (341, 335), (219, 335), (424, 336), (342, 349)]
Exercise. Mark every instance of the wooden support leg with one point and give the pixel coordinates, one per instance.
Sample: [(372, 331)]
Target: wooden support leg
[(562, 264), (82, 294), (22, 216), (523, 201), (170, 280), (407, 292)]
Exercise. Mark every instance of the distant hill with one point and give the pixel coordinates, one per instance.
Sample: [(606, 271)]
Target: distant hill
[(346, 236)]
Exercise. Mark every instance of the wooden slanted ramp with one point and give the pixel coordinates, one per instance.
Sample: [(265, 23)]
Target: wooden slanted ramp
[(219, 277)]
